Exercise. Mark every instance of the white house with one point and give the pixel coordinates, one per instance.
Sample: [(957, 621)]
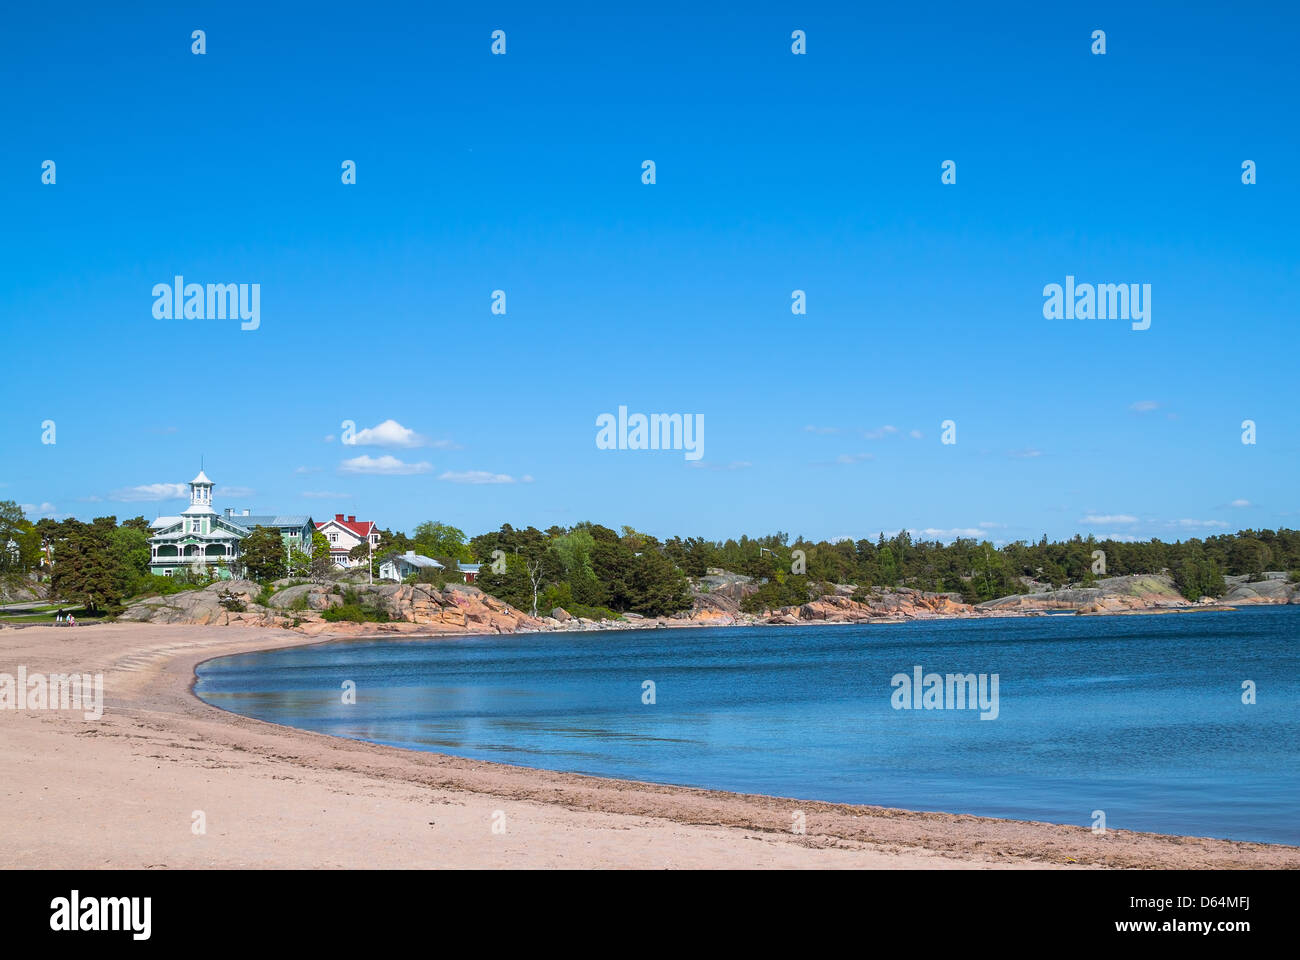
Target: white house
[(344, 534), (405, 564)]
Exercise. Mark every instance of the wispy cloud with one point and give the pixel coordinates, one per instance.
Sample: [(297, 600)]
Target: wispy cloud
[(1109, 518), (39, 511), (823, 430), (150, 493), (1117, 537), (1208, 524), (1027, 454), (854, 457), (325, 495), (1144, 406), (712, 465), (233, 493), (303, 470), (1240, 503), (387, 465), (482, 476), (951, 533), (880, 432)]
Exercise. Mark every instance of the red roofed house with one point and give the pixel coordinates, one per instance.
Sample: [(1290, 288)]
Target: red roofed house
[(344, 533)]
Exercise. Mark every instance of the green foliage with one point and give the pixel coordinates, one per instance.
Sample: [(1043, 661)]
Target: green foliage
[(782, 591), (438, 540), (1199, 576), (153, 584), (356, 608), (263, 555), (85, 570)]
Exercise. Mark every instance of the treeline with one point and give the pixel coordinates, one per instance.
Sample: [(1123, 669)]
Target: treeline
[(980, 571), (600, 568), (592, 570)]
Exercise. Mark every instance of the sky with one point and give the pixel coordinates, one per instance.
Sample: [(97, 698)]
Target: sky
[(774, 172)]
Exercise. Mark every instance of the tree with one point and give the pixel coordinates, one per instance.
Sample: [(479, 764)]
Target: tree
[(263, 554), (535, 579), (129, 550), (321, 561), (435, 539), (84, 570), (19, 541)]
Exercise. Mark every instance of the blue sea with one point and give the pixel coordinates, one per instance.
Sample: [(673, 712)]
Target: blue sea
[(1141, 717)]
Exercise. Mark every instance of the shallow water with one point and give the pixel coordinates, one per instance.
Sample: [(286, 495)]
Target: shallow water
[(1137, 716)]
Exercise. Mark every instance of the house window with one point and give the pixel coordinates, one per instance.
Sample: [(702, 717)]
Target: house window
[(334, 538)]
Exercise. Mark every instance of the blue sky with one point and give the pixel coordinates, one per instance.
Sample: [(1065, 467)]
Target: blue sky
[(775, 172)]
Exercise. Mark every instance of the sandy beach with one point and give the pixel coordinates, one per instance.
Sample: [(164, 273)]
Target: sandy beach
[(123, 791)]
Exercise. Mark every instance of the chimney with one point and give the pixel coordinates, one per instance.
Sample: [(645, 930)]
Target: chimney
[(352, 519), (338, 517), (229, 512)]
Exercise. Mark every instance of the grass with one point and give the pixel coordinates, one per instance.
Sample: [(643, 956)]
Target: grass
[(47, 616)]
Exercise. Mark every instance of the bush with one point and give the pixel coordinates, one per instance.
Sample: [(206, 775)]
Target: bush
[(349, 612), (153, 583), (790, 592)]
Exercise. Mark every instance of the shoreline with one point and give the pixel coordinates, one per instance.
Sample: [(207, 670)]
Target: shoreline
[(278, 796)]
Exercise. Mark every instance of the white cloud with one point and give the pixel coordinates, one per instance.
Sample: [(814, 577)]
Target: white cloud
[(950, 534), (41, 510), (915, 434), (386, 465), (880, 432), (1240, 503), (479, 476), (308, 470), (390, 433), (151, 493), (232, 493), (1109, 518), (1117, 537), (1144, 406), (1202, 523)]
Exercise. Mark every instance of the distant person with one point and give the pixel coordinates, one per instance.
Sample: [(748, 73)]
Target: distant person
[(72, 621)]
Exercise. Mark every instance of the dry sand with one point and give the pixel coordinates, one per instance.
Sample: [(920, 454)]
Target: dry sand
[(121, 792)]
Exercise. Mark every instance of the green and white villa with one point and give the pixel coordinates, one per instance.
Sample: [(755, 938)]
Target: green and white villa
[(203, 540)]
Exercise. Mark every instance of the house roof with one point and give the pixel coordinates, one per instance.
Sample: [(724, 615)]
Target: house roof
[(416, 560), (269, 520), (362, 528), (201, 478)]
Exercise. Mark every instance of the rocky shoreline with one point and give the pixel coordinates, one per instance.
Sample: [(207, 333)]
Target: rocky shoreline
[(462, 609)]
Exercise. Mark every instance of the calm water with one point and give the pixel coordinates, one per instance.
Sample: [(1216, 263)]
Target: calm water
[(1138, 716)]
